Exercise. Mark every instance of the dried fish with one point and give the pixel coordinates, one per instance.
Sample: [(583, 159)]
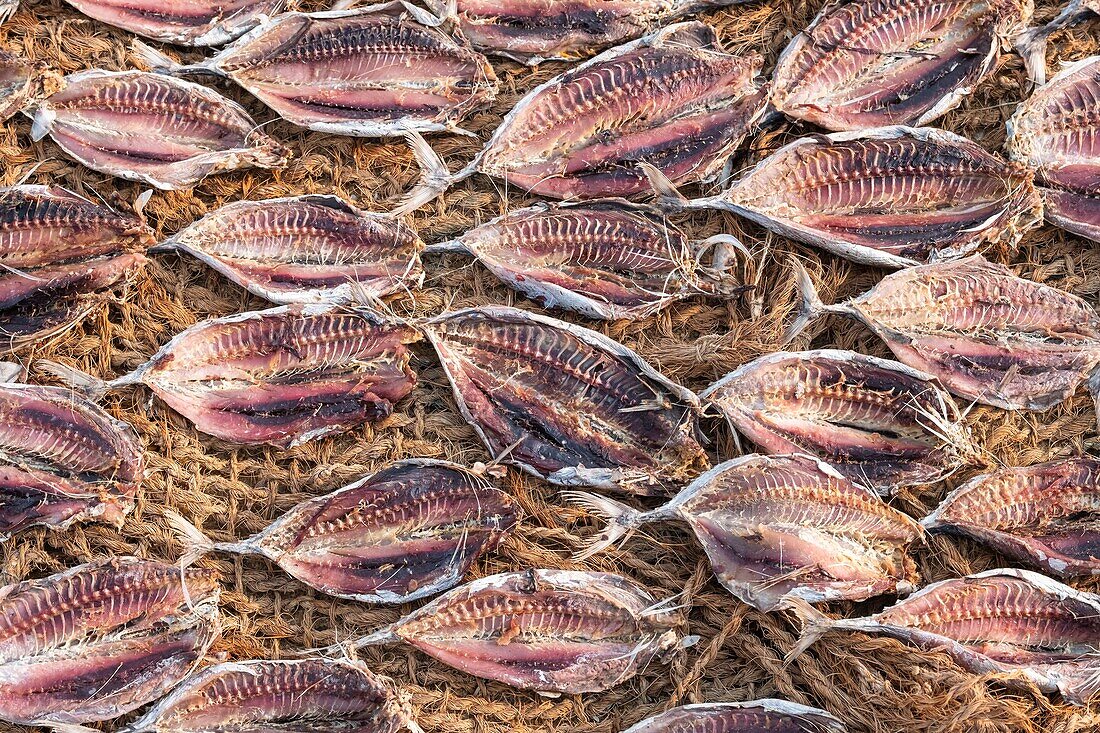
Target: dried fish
[(99, 640), (567, 404), (59, 256), (1056, 131), (754, 716), (189, 23), (282, 376), (314, 695), (672, 99), (1045, 514), (146, 127), (7, 9), (607, 260), (552, 631), (379, 71), (984, 333), (305, 249), (869, 63), (22, 80), (1012, 621), (63, 460), (878, 422), (408, 531), (780, 527), (891, 197), (533, 31), (1032, 43)]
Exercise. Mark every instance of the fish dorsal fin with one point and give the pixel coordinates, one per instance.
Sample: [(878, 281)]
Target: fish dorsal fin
[(330, 201), (693, 34), (978, 263)]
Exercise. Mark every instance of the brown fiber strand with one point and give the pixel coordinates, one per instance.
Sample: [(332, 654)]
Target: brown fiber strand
[(876, 685)]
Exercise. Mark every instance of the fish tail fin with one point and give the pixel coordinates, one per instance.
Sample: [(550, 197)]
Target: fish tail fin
[(815, 625), (1031, 44), (345, 649), (451, 245), (195, 543), (92, 387), (268, 153), (668, 196), (435, 177), (811, 308), (163, 64), (41, 121), (11, 371), (726, 251), (621, 519), (70, 728)]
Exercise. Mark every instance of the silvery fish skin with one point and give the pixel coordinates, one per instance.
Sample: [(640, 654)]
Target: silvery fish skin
[(314, 695), (876, 421), (781, 527), (21, 81), (59, 256), (63, 460), (606, 260), (552, 631), (871, 63), (1057, 132), (672, 99), (999, 621), (280, 377), (409, 531), (379, 71), (305, 249), (184, 22), (567, 404), (1032, 43), (1044, 514), (754, 716), (99, 640), (151, 128), (984, 333), (890, 197), (533, 31)]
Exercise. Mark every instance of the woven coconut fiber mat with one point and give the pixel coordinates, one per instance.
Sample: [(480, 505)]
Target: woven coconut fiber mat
[(876, 685)]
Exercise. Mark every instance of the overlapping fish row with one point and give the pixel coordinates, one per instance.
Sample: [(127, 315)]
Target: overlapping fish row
[(803, 523)]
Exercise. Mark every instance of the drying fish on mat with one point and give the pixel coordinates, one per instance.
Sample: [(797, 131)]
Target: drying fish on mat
[(1018, 624), (282, 376), (754, 716), (608, 260), (99, 640), (185, 22), (552, 631), (876, 421), (1055, 131), (60, 255), (672, 99), (408, 531), (870, 63), (7, 9), (533, 31), (781, 527), (305, 249), (891, 197), (379, 71), (306, 695), (1047, 514), (984, 333), (63, 460), (22, 80), (152, 128), (567, 404), (1032, 43)]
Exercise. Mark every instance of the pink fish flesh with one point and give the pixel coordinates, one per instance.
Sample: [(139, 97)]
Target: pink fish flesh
[(152, 128), (280, 377), (186, 22), (305, 249), (408, 531)]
